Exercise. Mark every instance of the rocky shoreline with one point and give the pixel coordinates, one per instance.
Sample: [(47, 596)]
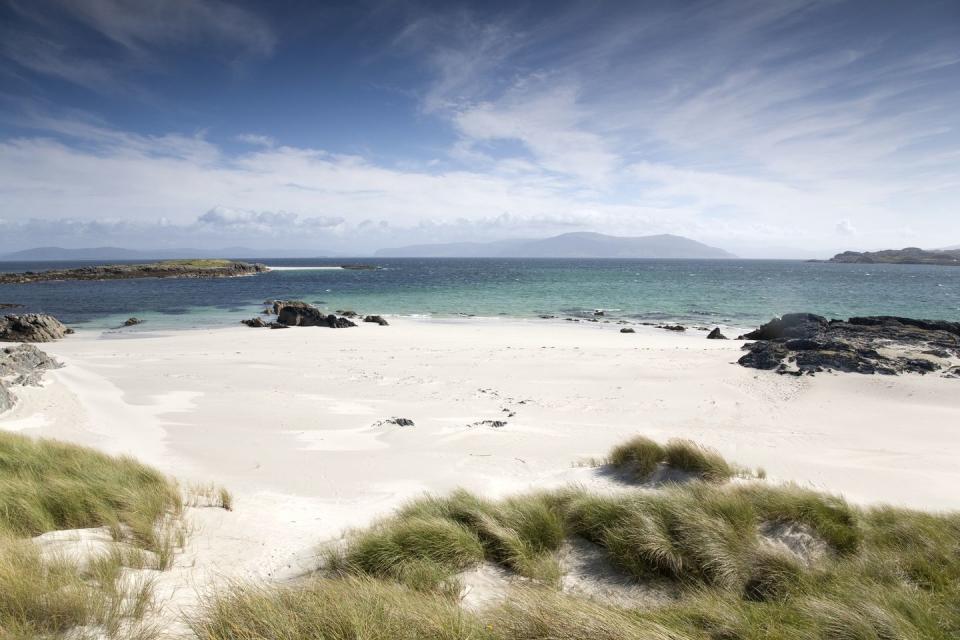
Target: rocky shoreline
[(164, 269), (804, 343)]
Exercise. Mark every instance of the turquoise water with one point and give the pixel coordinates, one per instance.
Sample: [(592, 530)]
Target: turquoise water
[(731, 292)]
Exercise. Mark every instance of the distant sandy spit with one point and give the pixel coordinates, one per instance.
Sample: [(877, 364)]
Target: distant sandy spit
[(296, 424)]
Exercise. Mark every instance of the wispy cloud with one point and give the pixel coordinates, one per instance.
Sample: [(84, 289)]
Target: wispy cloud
[(47, 40), (746, 122)]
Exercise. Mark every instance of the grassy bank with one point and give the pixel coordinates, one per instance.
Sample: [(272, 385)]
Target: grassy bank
[(49, 486), (739, 560)]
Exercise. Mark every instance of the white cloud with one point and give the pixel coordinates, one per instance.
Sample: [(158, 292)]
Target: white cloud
[(845, 228)]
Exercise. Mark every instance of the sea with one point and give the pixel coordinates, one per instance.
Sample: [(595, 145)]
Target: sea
[(738, 293)]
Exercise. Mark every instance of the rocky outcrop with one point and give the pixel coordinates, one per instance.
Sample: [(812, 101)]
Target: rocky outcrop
[(300, 314), (22, 365), (908, 255), (377, 319), (31, 327), (716, 335), (164, 269), (800, 343)]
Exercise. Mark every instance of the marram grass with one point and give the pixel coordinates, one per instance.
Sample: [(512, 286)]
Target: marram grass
[(880, 573), (48, 486)]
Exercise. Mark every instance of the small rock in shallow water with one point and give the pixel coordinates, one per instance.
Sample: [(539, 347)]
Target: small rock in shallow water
[(129, 322)]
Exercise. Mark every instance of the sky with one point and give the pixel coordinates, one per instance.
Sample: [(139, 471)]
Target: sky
[(793, 128)]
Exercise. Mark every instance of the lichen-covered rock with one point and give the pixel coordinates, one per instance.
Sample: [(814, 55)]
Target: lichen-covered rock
[(22, 365), (23, 359), (31, 327), (7, 399)]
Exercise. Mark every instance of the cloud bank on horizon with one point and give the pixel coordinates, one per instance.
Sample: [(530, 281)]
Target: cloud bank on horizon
[(344, 126)]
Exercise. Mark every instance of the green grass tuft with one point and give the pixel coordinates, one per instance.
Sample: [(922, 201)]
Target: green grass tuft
[(47, 486), (692, 457), (640, 456)]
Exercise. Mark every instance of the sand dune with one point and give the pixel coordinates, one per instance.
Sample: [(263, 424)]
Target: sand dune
[(289, 422)]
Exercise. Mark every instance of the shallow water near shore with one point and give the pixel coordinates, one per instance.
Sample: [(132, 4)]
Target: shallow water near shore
[(706, 292)]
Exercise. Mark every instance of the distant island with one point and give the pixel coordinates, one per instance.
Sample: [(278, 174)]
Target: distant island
[(164, 269), (567, 245), (55, 254), (908, 255)]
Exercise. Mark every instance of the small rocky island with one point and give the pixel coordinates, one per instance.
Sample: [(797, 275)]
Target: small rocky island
[(909, 255), (163, 269), (804, 343)]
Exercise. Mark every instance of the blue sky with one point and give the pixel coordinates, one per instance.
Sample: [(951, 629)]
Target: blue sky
[(796, 127)]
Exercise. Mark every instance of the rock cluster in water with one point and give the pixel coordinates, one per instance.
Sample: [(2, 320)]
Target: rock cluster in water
[(296, 313), (21, 365), (31, 327), (800, 343)]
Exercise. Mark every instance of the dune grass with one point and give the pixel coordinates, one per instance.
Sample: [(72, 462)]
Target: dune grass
[(879, 573), (640, 457), (49, 486)]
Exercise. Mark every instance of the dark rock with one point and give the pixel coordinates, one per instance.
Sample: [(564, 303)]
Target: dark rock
[(884, 345), (672, 327), (129, 322), (377, 319), (10, 305), (348, 313), (792, 325), (627, 330), (716, 335), (255, 323), (360, 267), (277, 325), (400, 422), (496, 424), (301, 314), (31, 327)]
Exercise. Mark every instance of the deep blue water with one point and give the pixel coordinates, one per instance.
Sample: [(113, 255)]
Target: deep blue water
[(734, 292)]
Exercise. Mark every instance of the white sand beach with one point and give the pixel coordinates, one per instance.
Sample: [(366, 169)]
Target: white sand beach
[(289, 422)]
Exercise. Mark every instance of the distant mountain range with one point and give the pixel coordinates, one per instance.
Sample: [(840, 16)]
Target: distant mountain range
[(567, 245), (909, 255), (41, 254)]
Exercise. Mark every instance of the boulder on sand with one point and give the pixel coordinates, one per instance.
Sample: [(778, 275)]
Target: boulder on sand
[(300, 314), (31, 327), (716, 335), (255, 323), (627, 330), (377, 319)]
